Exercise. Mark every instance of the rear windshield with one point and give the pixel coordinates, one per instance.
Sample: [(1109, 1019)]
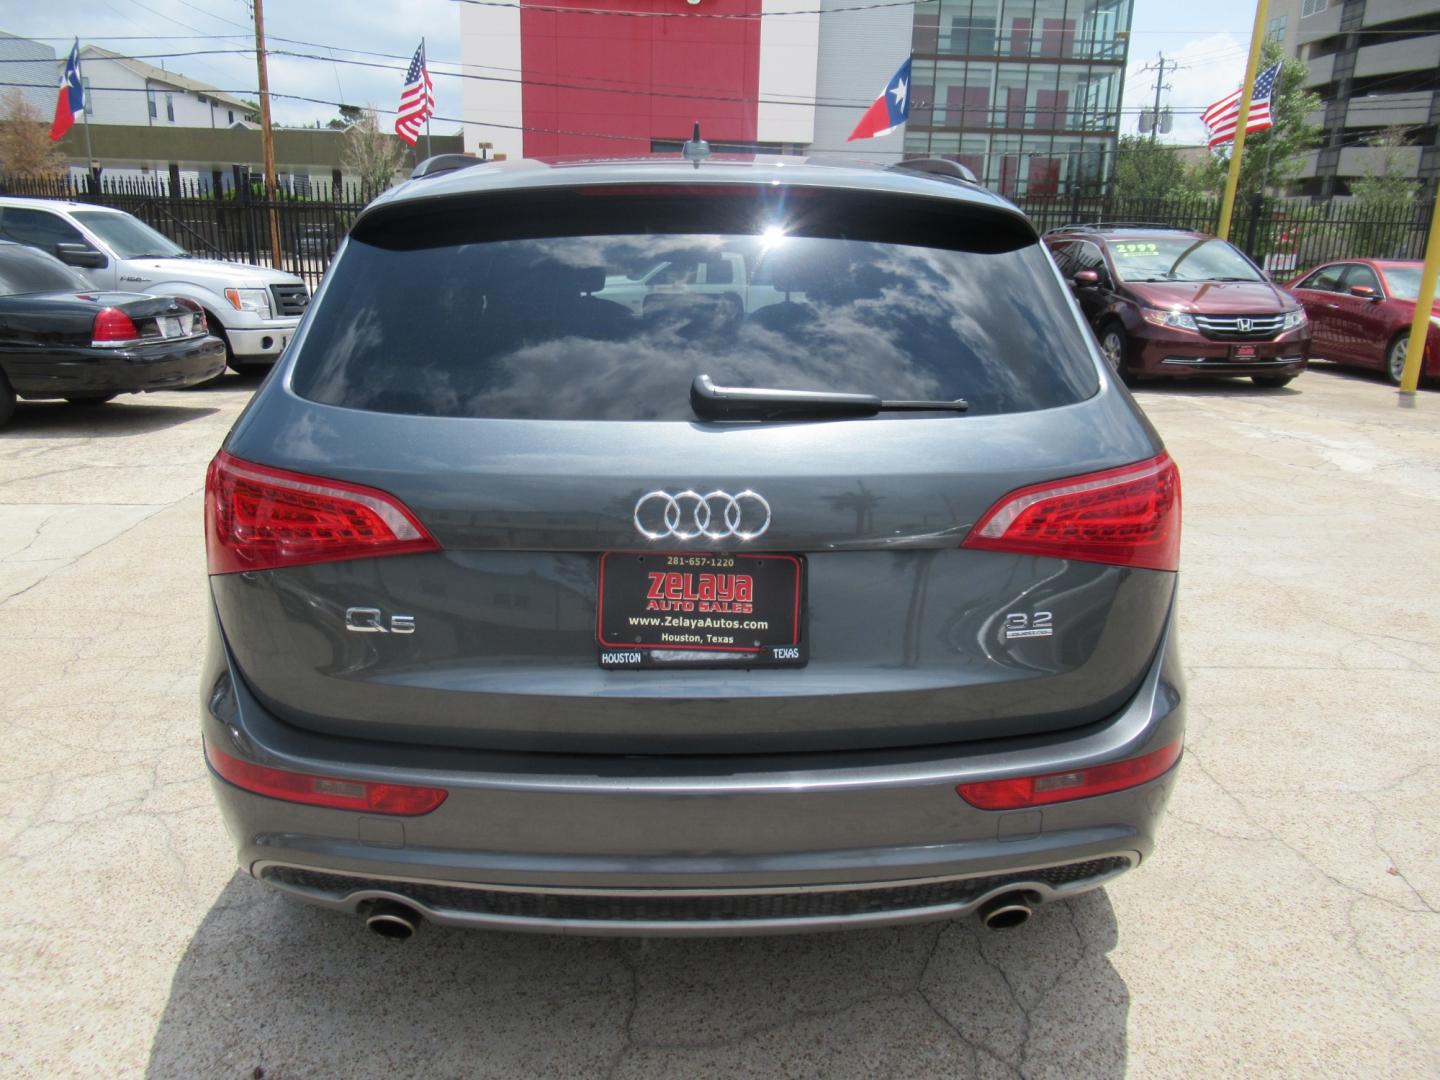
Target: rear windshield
[(23, 271), (1404, 281), (617, 327)]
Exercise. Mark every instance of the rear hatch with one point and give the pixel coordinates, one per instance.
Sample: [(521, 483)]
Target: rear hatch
[(563, 554)]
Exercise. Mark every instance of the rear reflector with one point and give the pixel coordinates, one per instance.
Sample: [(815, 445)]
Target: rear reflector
[(1022, 791), (328, 791), (1128, 516), (259, 518)]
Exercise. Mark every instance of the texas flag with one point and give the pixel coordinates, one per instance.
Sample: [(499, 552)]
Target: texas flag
[(889, 110), (71, 102)]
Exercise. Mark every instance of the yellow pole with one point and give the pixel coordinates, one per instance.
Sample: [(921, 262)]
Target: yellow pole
[(1232, 181), (1420, 325)]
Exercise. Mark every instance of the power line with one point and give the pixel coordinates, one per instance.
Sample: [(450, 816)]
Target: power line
[(1357, 104), (171, 18), (631, 138), (742, 17)]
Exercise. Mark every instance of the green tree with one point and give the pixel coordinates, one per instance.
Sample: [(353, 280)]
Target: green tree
[(1148, 170), (349, 114), (1272, 157), (1384, 197)]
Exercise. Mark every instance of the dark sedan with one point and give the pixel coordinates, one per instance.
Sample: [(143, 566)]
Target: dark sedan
[(1361, 311), (61, 339)]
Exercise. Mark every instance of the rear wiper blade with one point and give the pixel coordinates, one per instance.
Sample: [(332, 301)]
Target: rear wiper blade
[(711, 402)]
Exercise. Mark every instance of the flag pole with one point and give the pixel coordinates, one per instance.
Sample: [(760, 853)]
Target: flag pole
[(425, 71), (1252, 65), (85, 119)]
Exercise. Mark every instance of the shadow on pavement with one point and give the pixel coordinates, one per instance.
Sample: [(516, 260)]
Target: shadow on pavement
[(274, 989), (1218, 387), (61, 420), (1373, 376), (229, 380)]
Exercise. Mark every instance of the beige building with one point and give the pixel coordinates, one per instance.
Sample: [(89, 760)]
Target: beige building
[(1376, 66)]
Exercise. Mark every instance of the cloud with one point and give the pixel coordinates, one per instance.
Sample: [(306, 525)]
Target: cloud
[(1210, 67)]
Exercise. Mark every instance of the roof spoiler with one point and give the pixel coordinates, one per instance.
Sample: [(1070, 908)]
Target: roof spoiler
[(937, 167), (444, 163)]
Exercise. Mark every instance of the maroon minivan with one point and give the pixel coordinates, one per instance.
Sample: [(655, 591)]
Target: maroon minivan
[(1174, 303)]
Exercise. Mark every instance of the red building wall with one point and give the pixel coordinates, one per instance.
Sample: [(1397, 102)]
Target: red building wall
[(626, 66)]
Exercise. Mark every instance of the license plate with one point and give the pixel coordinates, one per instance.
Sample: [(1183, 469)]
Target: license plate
[(696, 609), (1244, 352), (170, 327)]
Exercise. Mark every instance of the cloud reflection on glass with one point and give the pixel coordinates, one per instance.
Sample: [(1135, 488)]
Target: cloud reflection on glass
[(616, 328)]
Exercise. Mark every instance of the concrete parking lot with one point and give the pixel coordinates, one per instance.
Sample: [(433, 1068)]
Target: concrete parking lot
[(1287, 925)]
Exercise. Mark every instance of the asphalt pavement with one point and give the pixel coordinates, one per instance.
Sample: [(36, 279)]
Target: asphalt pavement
[(1286, 926)]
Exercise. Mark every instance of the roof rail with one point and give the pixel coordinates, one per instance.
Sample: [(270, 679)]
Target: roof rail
[(444, 163), (1098, 226), (937, 167)]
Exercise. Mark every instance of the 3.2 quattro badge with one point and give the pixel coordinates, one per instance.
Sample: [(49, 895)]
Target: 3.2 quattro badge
[(689, 515)]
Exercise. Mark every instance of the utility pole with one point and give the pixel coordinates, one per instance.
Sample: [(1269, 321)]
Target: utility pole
[(91, 168), (267, 137), (1160, 84)]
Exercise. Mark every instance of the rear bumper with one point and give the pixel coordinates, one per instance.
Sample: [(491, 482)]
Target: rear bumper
[(1181, 354), (691, 845), (79, 372), (693, 912)]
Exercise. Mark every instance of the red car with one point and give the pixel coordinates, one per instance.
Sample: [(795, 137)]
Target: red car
[(1172, 303), (1360, 312)]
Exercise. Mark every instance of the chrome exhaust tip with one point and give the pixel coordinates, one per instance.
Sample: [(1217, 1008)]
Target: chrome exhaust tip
[(1006, 912), (394, 921)]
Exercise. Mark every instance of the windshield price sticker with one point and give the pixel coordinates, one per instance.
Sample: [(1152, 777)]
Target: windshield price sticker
[(1136, 248), (699, 609)]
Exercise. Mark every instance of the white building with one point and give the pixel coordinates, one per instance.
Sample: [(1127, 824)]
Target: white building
[(30, 70), (119, 90)]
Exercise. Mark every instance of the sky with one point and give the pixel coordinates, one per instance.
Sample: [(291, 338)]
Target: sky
[(1208, 39)]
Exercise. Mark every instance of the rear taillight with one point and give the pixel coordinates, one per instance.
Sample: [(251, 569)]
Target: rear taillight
[(1019, 792), (1128, 516), (259, 518), (334, 792), (113, 327)]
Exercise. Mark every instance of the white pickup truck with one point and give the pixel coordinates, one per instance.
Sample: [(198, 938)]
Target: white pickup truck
[(715, 273), (252, 309)]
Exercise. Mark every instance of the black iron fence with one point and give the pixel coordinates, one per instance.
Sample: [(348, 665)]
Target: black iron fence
[(233, 223), (1283, 235)]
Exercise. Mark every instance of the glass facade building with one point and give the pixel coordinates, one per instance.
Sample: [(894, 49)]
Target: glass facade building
[(1024, 92)]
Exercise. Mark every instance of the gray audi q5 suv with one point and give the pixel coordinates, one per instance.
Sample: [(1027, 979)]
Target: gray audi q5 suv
[(691, 546)]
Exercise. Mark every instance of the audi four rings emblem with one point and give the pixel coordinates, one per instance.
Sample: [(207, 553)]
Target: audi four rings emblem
[(689, 515)]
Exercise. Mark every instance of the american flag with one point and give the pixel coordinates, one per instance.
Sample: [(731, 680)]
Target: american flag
[(417, 99), (1221, 117)]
